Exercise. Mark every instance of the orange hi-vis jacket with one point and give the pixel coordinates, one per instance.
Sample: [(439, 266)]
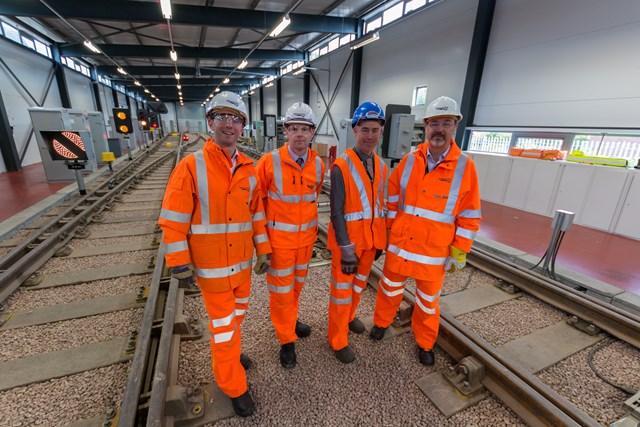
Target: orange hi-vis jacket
[(213, 218), (290, 197), (429, 211), (363, 204)]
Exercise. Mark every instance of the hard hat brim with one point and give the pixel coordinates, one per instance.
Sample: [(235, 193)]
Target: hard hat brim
[(300, 122), (229, 110), (451, 116)]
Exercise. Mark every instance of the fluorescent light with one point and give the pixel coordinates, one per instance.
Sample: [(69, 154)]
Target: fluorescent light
[(122, 71), (180, 93), (217, 89), (299, 71), (177, 76), (366, 40), (179, 87), (137, 83), (146, 90), (165, 5), (269, 85), (252, 92), (242, 64), (226, 80), (281, 26), (174, 55), (91, 47)]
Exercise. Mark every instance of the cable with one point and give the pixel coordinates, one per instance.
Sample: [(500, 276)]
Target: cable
[(604, 344)]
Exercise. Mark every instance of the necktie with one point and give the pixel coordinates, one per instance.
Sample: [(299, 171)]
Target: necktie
[(300, 161), (369, 163)]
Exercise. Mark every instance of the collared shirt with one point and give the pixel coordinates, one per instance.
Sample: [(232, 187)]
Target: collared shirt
[(295, 157), (432, 163)]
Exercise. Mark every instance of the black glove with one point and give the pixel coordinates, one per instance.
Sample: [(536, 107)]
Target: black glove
[(348, 259), (379, 253), (184, 274)]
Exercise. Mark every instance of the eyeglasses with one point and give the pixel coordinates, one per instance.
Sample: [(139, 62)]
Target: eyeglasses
[(367, 131), (226, 117), (446, 125), (296, 129)]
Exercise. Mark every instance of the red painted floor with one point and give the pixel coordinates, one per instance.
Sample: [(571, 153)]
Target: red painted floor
[(603, 256), (19, 190)]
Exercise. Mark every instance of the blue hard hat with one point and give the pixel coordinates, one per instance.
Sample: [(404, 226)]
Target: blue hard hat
[(368, 111)]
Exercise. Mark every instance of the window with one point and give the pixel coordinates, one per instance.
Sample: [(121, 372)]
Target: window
[(314, 54), (323, 51), (391, 14), (41, 48), (413, 5), (334, 44), (619, 146), (538, 143), (346, 39), (373, 25), (28, 42), (11, 32), (492, 142), (420, 95)]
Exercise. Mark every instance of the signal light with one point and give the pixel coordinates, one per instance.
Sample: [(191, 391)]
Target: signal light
[(122, 120), (143, 119), (154, 125)]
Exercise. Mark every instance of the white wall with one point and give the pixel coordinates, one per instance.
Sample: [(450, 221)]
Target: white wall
[(562, 63), (292, 91), (269, 98), (80, 92)]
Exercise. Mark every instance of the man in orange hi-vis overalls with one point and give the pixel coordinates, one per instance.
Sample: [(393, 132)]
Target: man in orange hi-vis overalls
[(434, 213), (212, 218), (291, 179), (357, 232)]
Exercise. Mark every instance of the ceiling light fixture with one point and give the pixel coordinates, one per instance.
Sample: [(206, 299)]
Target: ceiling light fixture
[(281, 26), (217, 89), (177, 76), (174, 55), (180, 93), (122, 71), (91, 47), (179, 87), (146, 91), (137, 83), (165, 5), (269, 85), (252, 92), (242, 64), (226, 80), (366, 40)]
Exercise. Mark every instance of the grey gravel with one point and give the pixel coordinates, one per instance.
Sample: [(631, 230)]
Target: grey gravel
[(57, 265), (91, 243), (109, 227)]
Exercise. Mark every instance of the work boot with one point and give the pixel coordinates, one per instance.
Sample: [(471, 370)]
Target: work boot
[(356, 326), (426, 357), (302, 330), (245, 361), (345, 355), (288, 355), (243, 404), (377, 333)]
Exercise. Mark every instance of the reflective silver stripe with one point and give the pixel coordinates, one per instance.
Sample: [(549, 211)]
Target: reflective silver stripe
[(282, 226), (258, 216), (280, 289), (425, 213), (391, 214), (340, 301), (203, 186), (379, 213), (283, 198), (301, 266), (309, 225), (277, 172), (393, 199), (406, 173), (310, 197), (422, 259), (425, 309), (354, 216), (240, 312), (236, 227), (428, 298), (216, 273), (281, 272), (176, 247), (391, 293), (252, 187), (361, 277), (242, 300), (300, 279), (391, 284), (463, 232), (340, 285), (184, 218), (366, 212), (471, 213), (318, 171), (358, 289), (224, 321), (454, 192), (223, 337), (260, 238)]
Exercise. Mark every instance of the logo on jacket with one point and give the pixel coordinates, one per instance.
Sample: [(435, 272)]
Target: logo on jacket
[(310, 187), (443, 108), (244, 188)]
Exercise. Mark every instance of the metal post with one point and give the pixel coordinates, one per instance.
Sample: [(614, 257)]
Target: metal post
[(128, 141), (80, 180), (561, 223)]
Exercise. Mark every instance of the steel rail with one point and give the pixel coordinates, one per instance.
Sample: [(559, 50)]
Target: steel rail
[(13, 275), (619, 323)]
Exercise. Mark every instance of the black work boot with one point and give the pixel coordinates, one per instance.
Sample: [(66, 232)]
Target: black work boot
[(426, 357), (302, 330), (243, 404), (345, 355), (356, 326), (377, 333), (245, 361), (288, 355)]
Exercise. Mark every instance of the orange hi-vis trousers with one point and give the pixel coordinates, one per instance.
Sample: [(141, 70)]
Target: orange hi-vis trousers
[(425, 320), (285, 279), (346, 290), (226, 312)]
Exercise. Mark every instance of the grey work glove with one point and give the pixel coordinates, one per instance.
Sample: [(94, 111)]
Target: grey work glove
[(184, 274), (262, 264), (348, 259)]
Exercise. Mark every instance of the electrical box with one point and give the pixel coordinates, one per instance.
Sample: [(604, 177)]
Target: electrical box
[(258, 134), (270, 125), (346, 137), (50, 120), (400, 135)]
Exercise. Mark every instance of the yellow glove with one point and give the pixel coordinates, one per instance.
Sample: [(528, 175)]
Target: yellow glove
[(456, 261), (262, 264)]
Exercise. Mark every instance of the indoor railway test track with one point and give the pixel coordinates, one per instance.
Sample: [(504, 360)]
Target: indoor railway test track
[(93, 332)]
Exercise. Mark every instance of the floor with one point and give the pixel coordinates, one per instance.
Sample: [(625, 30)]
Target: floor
[(603, 256)]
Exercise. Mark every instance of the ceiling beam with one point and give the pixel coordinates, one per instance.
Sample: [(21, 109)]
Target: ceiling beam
[(170, 81), (182, 14), (142, 70), (137, 51)]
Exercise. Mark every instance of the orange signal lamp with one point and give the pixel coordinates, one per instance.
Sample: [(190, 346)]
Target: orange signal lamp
[(143, 122), (124, 129), (122, 115)]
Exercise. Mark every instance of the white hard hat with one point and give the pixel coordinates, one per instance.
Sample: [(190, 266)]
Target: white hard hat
[(228, 101), (443, 107), (300, 113)]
